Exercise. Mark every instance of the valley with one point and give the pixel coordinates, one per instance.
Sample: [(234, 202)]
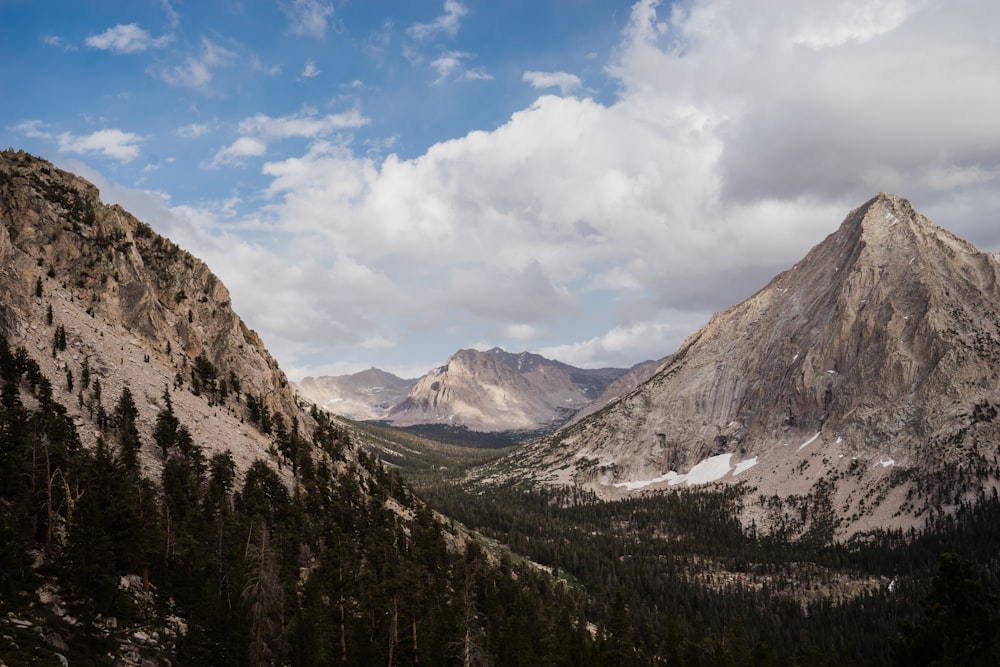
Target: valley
[(811, 479)]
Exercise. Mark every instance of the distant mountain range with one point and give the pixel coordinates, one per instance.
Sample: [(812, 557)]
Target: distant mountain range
[(491, 390)]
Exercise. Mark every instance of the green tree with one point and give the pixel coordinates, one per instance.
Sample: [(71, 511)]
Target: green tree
[(959, 624), (125, 422)]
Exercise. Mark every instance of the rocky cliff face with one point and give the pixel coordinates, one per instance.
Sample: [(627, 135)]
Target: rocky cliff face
[(136, 310), (500, 391), (870, 367)]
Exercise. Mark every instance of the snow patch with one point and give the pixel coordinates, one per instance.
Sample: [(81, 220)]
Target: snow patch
[(632, 486), (709, 470), (809, 441), (885, 462), (744, 465)]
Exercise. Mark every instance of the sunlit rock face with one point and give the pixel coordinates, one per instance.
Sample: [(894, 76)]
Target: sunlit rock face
[(137, 312), (495, 390), (872, 362)]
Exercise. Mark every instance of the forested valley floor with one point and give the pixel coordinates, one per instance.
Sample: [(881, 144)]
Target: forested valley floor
[(363, 562)]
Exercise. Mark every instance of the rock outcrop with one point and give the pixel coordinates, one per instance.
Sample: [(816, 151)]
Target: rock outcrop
[(137, 311)]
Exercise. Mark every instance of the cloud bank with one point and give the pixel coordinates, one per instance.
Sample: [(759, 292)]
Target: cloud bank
[(605, 233)]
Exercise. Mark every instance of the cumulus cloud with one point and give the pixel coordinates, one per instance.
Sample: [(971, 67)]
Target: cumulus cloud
[(742, 134), (564, 81), (111, 143), (243, 147), (126, 38)]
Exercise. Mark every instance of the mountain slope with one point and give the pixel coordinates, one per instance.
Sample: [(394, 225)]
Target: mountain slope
[(135, 310), (870, 367), (164, 499), (499, 391)]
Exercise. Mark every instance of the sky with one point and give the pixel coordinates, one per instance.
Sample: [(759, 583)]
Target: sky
[(384, 182)]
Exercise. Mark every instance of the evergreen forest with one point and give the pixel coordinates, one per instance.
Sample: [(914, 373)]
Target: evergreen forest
[(327, 555)]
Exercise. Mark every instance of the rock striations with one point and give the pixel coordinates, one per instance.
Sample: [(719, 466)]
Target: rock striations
[(868, 373)]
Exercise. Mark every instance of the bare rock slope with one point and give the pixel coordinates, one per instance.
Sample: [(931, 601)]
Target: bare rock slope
[(136, 311), (864, 379), (501, 391)]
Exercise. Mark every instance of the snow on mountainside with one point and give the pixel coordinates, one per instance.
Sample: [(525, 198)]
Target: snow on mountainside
[(865, 378)]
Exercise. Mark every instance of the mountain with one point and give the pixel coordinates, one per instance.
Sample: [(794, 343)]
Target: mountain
[(862, 381), (164, 498), (134, 310), (501, 391), (360, 396)]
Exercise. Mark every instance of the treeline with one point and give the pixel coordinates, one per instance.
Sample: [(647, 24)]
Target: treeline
[(693, 588), (342, 566)]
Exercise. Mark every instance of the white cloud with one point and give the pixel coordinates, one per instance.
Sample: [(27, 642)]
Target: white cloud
[(310, 70), (309, 17), (198, 72), (520, 331), (630, 344), (126, 38), (58, 42), (741, 136), (34, 129), (243, 147), (259, 130), (193, 130), (564, 81), (449, 66), (111, 143), (447, 23), (307, 124), (173, 18)]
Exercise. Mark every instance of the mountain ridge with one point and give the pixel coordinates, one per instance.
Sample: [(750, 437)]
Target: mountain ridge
[(482, 390)]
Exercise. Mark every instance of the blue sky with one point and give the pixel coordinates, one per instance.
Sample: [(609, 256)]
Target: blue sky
[(384, 183)]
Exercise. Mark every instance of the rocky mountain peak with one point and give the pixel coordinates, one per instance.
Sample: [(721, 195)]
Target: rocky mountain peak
[(876, 347), (495, 390)]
